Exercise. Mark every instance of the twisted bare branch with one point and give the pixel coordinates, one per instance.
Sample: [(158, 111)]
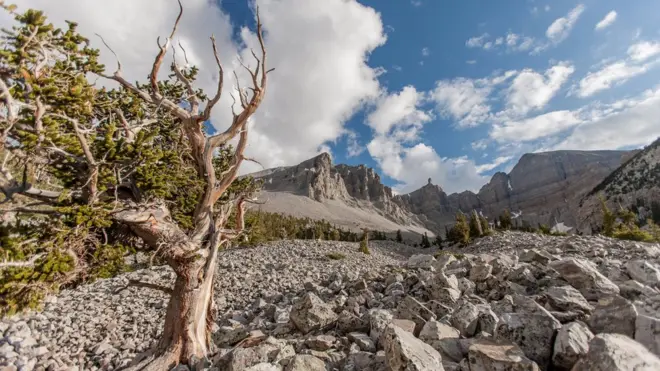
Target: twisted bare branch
[(153, 77)]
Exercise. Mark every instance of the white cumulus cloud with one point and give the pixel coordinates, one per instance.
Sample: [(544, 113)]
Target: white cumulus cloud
[(611, 75), (319, 50), (624, 123), (561, 27), (643, 50), (492, 165), (412, 166), (531, 90), (534, 128), (398, 110), (607, 21)]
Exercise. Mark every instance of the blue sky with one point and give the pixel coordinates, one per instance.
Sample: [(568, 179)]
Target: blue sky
[(443, 28), (451, 90)]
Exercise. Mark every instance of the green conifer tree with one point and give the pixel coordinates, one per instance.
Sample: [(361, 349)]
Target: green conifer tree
[(101, 172)]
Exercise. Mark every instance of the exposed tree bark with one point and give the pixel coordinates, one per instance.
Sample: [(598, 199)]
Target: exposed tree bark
[(186, 334)]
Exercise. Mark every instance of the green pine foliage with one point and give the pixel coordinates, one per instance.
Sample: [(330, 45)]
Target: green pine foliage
[(438, 240), (485, 227), (425, 244), (264, 226), (460, 232), (625, 226), (364, 243), (505, 219), (609, 219), (74, 239)]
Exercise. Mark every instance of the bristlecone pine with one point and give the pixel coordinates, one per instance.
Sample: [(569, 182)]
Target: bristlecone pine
[(101, 171)]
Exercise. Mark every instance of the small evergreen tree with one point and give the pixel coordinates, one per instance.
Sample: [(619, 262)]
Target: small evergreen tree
[(460, 232), (609, 219), (505, 219), (425, 241), (399, 237), (485, 227), (438, 240), (364, 243)]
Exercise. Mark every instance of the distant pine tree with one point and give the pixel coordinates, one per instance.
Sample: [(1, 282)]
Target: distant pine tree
[(364, 243), (425, 241), (460, 232), (399, 238), (438, 240), (505, 219)]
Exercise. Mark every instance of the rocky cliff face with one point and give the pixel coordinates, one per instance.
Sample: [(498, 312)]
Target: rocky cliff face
[(430, 203), (315, 178), (546, 187), (542, 188), (635, 183), (319, 179)]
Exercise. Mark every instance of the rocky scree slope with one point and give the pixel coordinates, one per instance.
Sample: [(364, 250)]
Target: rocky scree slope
[(637, 179), (542, 188), (511, 301)]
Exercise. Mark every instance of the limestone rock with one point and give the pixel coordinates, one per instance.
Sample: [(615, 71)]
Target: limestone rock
[(466, 318), (304, 362), (533, 332), (420, 261), (567, 298), (405, 325), (363, 341), (264, 366), (446, 295), (311, 313), (614, 314), (444, 339), (572, 343), (378, 321), (480, 272), (644, 272), (584, 276), (647, 332), (536, 255), (616, 352), (485, 355), (405, 352)]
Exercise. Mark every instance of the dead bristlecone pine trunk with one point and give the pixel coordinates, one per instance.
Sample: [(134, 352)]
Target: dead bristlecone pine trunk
[(125, 163), (186, 336)]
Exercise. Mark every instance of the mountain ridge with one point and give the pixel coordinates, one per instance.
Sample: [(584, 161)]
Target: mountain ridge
[(548, 197)]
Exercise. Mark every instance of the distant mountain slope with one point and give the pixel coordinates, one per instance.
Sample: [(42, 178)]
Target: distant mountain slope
[(542, 188), (349, 196), (635, 183)]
